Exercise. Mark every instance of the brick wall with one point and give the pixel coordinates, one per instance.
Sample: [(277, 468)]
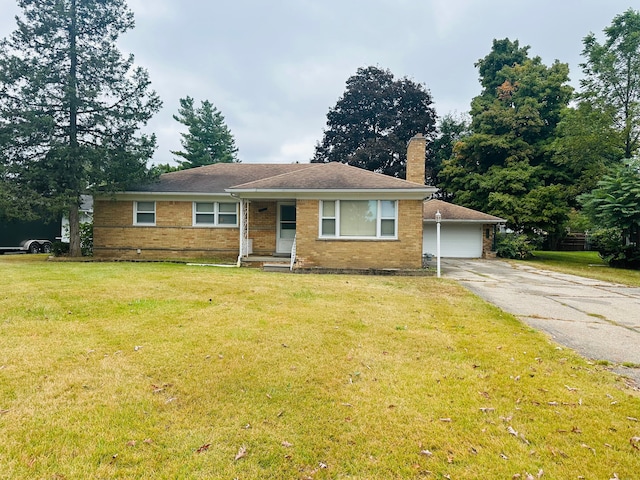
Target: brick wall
[(262, 226), (404, 253), (173, 236)]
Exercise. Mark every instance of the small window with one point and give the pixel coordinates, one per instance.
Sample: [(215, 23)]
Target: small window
[(388, 219), (214, 214), (228, 214), (205, 214), (144, 213), (328, 227)]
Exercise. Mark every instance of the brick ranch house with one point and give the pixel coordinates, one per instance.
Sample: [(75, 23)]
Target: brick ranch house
[(323, 215)]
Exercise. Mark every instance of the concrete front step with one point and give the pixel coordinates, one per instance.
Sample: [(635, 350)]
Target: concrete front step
[(277, 267)]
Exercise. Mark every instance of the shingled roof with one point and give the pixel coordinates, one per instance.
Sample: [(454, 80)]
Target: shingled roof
[(329, 176), (455, 213), (217, 178), (223, 178)]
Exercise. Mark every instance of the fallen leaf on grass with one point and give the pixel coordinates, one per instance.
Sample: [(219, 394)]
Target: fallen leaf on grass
[(426, 453), (632, 419), (584, 445), (2, 412), (517, 435), (241, 453), (203, 448), (131, 443), (635, 442), (287, 444), (445, 420)]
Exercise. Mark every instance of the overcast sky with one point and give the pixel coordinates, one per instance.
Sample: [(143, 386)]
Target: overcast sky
[(274, 68)]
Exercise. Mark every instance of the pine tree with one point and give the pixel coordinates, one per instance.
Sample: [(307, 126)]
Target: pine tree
[(71, 106), (208, 139)]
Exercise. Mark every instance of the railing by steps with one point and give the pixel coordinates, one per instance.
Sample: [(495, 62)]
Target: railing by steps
[(293, 253)]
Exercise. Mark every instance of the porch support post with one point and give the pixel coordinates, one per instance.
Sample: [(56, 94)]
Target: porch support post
[(244, 230)]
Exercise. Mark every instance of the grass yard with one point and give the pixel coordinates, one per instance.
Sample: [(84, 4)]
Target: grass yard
[(586, 264), (165, 371)]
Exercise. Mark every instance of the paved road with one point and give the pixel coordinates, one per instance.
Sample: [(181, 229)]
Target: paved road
[(599, 320)]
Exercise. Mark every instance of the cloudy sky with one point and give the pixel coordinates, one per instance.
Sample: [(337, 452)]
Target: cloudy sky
[(274, 68)]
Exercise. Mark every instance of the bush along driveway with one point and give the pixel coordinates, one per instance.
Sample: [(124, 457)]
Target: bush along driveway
[(599, 320)]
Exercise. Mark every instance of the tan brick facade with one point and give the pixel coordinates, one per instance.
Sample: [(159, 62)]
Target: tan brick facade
[(403, 253), (262, 226), (173, 236)]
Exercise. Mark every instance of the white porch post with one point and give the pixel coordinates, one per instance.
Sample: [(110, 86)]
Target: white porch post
[(438, 218), (244, 230)]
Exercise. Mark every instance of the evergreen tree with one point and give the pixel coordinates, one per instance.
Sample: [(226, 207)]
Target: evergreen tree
[(208, 139), (71, 105)]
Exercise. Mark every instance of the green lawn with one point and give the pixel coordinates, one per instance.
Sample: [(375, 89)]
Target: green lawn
[(168, 371), (587, 264)]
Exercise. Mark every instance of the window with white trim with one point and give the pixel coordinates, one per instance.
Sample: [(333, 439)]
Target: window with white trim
[(215, 214), (359, 219), (144, 213)]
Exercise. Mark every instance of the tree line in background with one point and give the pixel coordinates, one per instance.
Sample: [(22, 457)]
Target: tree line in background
[(532, 150)]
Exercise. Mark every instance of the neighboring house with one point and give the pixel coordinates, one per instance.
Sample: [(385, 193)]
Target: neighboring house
[(86, 216), (330, 216), (464, 233)]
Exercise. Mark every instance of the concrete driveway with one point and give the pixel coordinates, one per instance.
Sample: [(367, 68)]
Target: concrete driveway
[(599, 320)]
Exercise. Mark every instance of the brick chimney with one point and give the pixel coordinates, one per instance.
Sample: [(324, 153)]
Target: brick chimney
[(416, 157)]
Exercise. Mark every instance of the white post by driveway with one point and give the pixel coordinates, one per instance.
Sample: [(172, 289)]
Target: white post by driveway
[(438, 218)]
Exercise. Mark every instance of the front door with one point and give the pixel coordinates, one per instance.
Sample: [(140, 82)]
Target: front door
[(286, 227)]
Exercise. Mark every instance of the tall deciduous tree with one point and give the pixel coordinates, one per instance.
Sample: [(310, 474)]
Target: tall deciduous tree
[(586, 146), (503, 167), (451, 129), (71, 106), (611, 80), (372, 122), (208, 139)]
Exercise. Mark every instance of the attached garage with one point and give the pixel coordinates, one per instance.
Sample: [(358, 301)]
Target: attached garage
[(464, 233)]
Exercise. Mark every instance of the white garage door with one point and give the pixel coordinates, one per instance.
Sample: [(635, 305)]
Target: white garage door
[(457, 240)]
